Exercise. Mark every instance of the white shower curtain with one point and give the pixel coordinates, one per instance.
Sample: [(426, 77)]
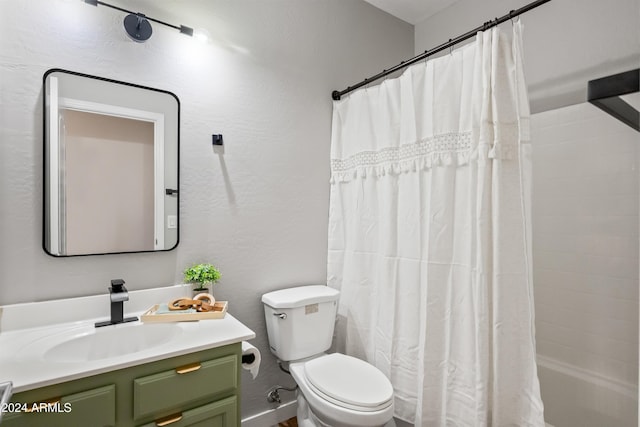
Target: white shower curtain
[(428, 236)]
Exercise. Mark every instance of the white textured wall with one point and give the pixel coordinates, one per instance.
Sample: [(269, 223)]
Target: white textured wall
[(258, 211), (566, 42), (585, 265)]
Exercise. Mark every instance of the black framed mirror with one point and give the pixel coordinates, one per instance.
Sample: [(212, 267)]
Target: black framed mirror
[(111, 166)]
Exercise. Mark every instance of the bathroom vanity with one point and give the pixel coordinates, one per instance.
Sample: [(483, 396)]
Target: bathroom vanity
[(180, 391), (134, 374)]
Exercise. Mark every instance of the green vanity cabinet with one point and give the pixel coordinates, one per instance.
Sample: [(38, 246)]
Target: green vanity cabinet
[(196, 389)]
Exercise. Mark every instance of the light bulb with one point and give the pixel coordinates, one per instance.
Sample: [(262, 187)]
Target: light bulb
[(201, 35)]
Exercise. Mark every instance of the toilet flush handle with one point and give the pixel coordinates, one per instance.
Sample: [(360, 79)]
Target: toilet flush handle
[(281, 315)]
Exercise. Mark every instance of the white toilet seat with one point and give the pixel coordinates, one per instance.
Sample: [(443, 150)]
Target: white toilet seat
[(349, 382), (337, 412)]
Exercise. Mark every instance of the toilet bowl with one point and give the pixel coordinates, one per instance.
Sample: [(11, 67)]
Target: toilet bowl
[(335, 390), (341, 391)]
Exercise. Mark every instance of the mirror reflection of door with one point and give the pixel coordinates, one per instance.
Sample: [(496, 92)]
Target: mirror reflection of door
[(108, 181)]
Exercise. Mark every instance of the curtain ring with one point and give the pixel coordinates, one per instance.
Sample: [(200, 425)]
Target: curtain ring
[(371, 82), (450, 47)]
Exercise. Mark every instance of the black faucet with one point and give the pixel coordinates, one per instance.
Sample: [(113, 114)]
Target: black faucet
[(118, 294)]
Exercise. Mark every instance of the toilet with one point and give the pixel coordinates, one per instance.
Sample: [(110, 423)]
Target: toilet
[(334, 390)]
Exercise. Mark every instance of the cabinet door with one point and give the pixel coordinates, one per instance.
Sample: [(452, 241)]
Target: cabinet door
[(221, 413), (91, 408)]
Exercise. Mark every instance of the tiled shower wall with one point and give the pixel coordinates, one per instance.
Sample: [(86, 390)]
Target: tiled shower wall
[(585, 249)]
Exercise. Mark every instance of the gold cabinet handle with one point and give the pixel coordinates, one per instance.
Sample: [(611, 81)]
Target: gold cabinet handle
[(168, 420), (188, 368), (35, 406)]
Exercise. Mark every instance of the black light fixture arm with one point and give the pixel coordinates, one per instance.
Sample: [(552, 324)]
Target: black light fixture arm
[(182, 28), (336, 94)]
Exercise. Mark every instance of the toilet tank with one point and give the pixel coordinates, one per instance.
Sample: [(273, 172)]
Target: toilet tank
[(300, 320)]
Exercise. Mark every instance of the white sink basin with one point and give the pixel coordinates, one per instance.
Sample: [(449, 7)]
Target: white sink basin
[(111, 341), (89, 344)]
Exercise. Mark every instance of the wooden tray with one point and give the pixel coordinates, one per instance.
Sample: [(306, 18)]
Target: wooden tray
[(219, 311)]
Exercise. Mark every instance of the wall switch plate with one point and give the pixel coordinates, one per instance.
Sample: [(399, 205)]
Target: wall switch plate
[(172, 221)]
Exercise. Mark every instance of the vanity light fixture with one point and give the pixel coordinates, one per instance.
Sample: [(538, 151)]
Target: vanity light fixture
[(137, 24)]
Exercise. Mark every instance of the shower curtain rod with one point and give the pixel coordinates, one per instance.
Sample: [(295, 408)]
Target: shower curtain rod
[(336, 95)]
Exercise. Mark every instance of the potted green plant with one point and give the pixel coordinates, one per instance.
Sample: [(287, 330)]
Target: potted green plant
[(202, 276)]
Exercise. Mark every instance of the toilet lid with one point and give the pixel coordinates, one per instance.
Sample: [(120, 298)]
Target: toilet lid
[(349, 381)]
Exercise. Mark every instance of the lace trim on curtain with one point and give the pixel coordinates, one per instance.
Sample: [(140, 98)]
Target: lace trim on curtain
[(439, 150)]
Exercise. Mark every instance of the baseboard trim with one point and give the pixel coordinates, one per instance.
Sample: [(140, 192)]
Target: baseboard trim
[(273, 416)]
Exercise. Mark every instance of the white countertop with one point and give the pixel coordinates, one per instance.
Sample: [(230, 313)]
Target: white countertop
[(24, 336)]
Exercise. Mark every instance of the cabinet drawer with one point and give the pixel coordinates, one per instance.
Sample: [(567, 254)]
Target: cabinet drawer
[(158, 394), (96, 407), (217, 414)]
